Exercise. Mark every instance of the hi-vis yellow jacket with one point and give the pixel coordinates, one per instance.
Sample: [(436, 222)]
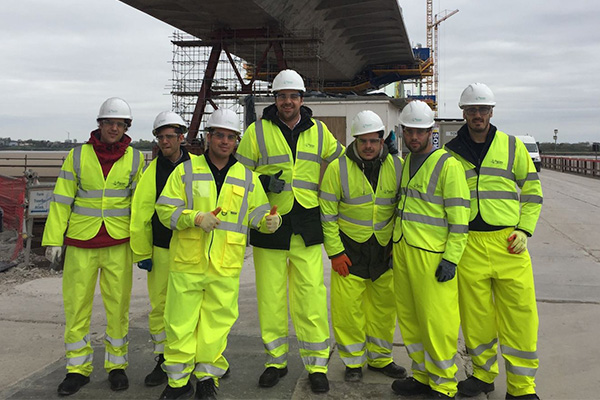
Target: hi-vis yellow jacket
[(142, 211), (433, 211), (83, 199), (191, 188), (494, 195), (349, 204), (268, 157)]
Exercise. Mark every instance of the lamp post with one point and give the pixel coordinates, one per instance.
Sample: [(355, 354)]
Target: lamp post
[(555, 137)]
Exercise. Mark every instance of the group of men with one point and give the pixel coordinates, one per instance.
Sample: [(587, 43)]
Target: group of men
[(395, 232)]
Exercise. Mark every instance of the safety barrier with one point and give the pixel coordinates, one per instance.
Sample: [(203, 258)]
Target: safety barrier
[(575, 165), (12, 200)]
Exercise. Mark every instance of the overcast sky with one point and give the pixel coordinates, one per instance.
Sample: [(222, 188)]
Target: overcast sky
[(60, 60)]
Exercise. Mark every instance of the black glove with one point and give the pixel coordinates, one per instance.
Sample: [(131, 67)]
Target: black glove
[(275, 184), (390, 142), (145, 264), (445, 271)]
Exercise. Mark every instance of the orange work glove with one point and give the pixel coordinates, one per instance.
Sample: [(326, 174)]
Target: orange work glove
[(273, 220), (517, 242), (208, 221), (340, 264)]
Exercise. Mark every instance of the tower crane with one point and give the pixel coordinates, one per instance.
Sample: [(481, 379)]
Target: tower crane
[(433, 23)]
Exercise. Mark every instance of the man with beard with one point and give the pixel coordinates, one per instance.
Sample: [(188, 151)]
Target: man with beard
[(496, 289), (430, 235), (358, 199), (92, 203), (149, 238), (286, 147)]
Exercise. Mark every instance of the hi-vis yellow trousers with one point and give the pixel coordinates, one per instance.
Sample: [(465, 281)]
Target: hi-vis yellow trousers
[(157, 292)]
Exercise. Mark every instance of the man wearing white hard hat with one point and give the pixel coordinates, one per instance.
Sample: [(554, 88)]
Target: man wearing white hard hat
[(92, 203), (210, 202), (358, 199), (430, 234), (497, 293), (286, 147), (149, 238)]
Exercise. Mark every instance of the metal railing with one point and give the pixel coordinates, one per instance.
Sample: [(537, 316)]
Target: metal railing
[(574, 165)]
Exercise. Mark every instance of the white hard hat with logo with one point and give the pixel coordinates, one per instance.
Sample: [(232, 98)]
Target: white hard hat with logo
[(417, 114), (288, 79), (224, 118), (168, 118), (477, 94), (366, 122), (115, 107)]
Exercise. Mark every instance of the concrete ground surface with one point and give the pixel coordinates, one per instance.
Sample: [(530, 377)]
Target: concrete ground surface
[(566, 257)]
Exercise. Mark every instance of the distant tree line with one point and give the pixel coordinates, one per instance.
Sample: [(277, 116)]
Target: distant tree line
[(566, 148)]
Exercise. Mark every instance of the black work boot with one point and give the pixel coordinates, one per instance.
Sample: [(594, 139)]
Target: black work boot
[(318, 382), (353, 374), (206, 389), (531, 396), (472, 387), (271, 375), (410, 387), (184, 392), (72, 383), (118, 380), (157, 376), (392, 370)]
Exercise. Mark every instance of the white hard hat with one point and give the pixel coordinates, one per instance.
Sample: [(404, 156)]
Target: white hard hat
[(417, 114), (168, 118), (288, 79), (115, 107), (477, 94), (366, 122), (224, 118)]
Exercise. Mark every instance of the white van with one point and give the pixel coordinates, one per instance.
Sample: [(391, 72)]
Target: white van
[(533, 150)]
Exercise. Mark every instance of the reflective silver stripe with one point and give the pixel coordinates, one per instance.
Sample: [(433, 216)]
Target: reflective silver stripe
[(276, 343), (98, 194), (119, 360), (159, 337), (187, 180), (264, 158), (364, 199), (384, 201), (175, 217), (305, 185), (68, 175), (116, 342), (477, 351), (380, 225), (319, 139), (532, 176), (351, 348), (175, 371), (77, 164), (235, 181), (314, 346), (258, 213), (318, 361), (135, 166), (379, 342), (301, 155), (232, 227), (354, 360), (418, 366), (373, 355), (425, 219), (246, 161), (435, 174), (336, 153), (498, 195), (170, 201), (159, 347), (329, 217), (89, 194), (470, 173), (203, 177), (512, 148), (89, 212), (488, 171), (344, 179), (79, 344), (522, 371), (441, 364), (413, 348), (415, 194), (489, 363), (277, 360), (209, 369), (274, 160), (457, 202), (398, 167), (287, 187), (528, 355), (117, 212), (77, 361), (473, 194), (328, 196), (356, 221), (531, 198), (453, 228), (241, 227), (438, 379), (58, 198), (117, 192)]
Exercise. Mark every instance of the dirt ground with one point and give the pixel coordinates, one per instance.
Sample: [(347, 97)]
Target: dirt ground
[(20, 273)]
